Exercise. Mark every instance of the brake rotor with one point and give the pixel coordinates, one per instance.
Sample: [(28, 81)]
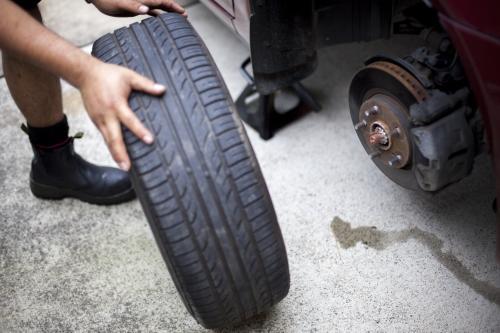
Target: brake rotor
[(412, 85), (379, 99)]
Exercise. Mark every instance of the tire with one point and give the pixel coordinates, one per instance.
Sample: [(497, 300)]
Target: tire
[(199, 183)]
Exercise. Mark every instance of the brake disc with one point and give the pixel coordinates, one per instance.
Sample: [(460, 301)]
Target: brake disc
[(379, 99)]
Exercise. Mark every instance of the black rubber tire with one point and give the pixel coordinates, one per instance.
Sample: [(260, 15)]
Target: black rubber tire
[(199, 183)]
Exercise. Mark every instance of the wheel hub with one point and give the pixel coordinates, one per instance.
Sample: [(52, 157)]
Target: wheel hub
[(379, 136), (380, 125)]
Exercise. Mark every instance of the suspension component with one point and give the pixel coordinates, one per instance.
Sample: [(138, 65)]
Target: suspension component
[(416, 132)]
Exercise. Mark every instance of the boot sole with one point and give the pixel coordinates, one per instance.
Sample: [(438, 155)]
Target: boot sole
[(42, 191)]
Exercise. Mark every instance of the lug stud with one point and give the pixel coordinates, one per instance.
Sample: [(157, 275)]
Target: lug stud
[(395, 132), (362, 123), (372, 111), (395, 160)]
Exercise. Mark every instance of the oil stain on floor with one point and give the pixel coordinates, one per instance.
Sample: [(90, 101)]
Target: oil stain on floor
[(379, 240)]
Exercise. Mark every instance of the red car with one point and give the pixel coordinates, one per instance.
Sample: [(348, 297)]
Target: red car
[(422, 118)]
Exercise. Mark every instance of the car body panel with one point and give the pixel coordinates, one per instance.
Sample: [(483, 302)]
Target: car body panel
[(475, 31), (223, 9), (242, 12), (228, 6), (483, 15)]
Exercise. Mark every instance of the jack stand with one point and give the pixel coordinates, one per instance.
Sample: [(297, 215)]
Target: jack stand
[(260, 113)]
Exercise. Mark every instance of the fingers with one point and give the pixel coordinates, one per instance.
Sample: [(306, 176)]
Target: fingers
[(128, 118), (110, 129), (155, 12), (134, 6), (112, 134), (106, 101), (141, 83), (167, 5)]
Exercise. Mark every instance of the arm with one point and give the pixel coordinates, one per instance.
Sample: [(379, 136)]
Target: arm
[(104, 88)]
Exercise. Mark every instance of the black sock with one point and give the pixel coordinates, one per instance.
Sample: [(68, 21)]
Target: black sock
[(49, 137)]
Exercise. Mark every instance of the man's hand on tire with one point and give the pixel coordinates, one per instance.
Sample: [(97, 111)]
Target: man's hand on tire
[(137, 7), (106, 88), (105, 91)]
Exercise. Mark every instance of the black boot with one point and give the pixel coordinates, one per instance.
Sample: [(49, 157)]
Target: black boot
[(57, 172)]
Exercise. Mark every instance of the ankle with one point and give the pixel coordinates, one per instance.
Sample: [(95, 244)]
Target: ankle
[(49, 137)]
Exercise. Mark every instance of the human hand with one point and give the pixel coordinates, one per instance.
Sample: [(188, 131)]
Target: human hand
[(105, 91), (137, 7)]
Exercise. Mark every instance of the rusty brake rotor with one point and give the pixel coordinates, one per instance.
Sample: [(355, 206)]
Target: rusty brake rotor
[(380, 96)]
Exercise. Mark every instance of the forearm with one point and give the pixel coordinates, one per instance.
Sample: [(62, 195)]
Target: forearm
[(105, 88), (23, 36)]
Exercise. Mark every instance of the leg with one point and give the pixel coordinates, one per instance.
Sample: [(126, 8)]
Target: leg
[(36, 92), (57, 171)]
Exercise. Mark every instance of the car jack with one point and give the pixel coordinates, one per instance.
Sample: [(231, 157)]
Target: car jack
[(259, 111)]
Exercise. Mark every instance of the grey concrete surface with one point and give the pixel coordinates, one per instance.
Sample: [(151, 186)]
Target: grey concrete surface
[(81, 23), (365, 255)]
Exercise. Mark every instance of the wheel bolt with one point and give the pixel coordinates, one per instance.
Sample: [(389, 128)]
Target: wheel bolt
[(395, 132), (362, 123), (372, 111), (395, 160)]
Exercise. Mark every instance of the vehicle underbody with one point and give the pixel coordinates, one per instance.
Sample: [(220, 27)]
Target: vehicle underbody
[(415, 116), (423, 117)]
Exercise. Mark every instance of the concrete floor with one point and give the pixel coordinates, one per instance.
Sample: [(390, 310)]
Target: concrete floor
[(80, 22), (365, 254)]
